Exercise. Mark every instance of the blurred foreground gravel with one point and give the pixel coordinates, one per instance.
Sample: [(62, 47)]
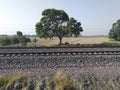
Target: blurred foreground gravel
[(34, 64), (86, 72)]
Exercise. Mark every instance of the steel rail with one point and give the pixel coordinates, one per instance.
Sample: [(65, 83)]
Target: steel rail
[(62, 53), (60, 47), (58, 53)]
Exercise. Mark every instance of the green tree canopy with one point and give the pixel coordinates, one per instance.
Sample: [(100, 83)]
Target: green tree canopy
[(19, 33), (56, 23), (114, 33), (74, 27)]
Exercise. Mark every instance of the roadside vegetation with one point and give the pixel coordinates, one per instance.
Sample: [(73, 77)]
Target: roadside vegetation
[(97, 79), (32, 41), (21, 81), (14, 40), (7, 82)]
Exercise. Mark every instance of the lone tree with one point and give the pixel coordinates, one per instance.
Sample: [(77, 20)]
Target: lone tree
[(114, 33), (56, 23), (19, 33)]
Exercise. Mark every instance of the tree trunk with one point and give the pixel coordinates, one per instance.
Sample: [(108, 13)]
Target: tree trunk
[(60, 38)]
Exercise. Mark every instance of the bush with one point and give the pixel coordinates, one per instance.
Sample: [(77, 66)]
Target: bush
[(5, 41), (23, 39), (66, 43), (14, 39), (27, 40)]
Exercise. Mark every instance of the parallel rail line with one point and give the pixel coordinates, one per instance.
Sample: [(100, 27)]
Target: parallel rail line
[(60, 47), (62, 53), (58, 53)]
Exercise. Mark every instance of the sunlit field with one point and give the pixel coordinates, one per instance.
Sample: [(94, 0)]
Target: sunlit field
[(80, 40)]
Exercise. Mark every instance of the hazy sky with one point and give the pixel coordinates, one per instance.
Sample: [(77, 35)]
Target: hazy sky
[(96, 16)]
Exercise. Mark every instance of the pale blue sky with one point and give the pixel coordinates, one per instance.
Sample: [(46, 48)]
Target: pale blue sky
[(96, 16)]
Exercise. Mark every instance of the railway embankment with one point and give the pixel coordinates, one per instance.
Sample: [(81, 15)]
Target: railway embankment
[(75, 71)]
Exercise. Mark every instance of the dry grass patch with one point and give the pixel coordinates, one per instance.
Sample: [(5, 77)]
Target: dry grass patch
[(87, 40), (60, 81)]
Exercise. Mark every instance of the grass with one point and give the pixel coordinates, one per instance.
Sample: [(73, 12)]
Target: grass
[(60, 81), (11, 79), (80, 41), (16, 76), (85, 41), (3, 82), (97, 78)]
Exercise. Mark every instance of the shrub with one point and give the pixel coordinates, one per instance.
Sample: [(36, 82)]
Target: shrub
[(5, 41), (15, 39), (66, 43), (60, 81)]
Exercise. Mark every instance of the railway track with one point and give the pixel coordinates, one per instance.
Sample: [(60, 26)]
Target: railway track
[(49, 51), (41, 58)]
